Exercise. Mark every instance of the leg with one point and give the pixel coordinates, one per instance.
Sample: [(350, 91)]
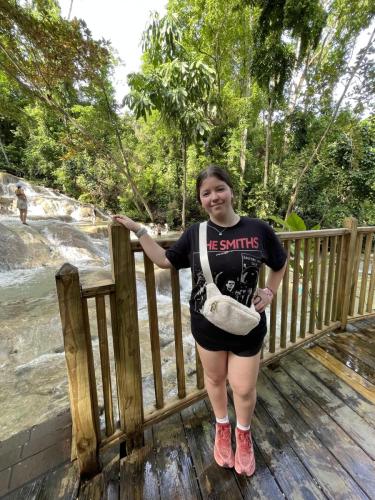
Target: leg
[(215, 377), (215, 365), (21, 216), (242, 375)]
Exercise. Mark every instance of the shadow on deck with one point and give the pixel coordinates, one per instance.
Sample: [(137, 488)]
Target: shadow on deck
[(313, 430)]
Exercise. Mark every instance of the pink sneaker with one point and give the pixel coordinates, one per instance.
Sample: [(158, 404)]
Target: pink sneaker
[(223, 452), (244, 462)]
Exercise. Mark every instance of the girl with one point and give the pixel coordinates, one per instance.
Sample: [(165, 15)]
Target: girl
[(237, 246), (21, 202)]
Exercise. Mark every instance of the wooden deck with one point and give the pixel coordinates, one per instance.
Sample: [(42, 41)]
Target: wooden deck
[(313, 430)]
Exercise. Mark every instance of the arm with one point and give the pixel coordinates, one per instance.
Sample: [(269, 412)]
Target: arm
[(154, 251), (265, 295)]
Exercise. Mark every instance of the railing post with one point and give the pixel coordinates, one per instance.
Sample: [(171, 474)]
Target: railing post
[(347, 269), (126, 337), (77, 360)]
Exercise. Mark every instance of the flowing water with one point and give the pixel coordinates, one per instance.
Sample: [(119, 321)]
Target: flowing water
[(33, 381)]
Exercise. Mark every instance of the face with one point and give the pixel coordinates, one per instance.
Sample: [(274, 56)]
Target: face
[(216, 196)]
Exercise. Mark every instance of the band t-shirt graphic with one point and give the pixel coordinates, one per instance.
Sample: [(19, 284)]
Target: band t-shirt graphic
[(235, 255)]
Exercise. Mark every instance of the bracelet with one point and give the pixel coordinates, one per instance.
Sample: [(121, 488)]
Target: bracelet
[(140, 232)]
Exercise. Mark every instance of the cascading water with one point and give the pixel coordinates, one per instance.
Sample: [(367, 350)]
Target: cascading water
[(33, 381)]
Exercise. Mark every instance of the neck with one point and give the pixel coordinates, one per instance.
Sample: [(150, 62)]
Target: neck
[(229, 219)]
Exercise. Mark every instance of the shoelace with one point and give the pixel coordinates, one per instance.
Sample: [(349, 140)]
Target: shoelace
[(224, 432), (244, 438)]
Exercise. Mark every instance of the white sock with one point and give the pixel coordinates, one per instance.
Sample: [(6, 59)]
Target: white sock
[(243, 427), (224, 420)]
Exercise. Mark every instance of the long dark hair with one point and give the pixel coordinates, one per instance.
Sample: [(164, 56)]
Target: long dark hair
[(212, 171)]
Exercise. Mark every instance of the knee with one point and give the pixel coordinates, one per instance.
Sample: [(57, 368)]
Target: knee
[(244, 392), (215, 378)]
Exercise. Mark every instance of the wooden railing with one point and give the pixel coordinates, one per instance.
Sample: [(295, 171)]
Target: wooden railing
[(329, 282)]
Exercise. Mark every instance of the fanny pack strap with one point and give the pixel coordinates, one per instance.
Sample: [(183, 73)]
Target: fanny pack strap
[(203, 254)]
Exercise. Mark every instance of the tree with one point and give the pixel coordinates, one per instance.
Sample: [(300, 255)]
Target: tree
[(174, 83)]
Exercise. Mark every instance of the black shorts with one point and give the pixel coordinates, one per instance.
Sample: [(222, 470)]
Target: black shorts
[(212, 338)]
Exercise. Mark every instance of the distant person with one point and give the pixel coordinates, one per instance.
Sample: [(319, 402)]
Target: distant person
[(21, 202)]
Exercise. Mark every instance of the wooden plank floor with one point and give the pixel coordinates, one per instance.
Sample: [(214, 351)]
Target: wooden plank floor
[(313, 430)]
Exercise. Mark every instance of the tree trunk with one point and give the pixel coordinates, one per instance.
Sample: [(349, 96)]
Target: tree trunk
[(5, 155), (268, 143), (184, 169), (297, 184), (242, 166)]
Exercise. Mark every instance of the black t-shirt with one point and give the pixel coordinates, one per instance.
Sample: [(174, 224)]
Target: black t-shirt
[(235, 255)]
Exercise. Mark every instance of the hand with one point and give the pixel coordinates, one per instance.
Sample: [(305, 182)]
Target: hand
[(127, 222), (262, 299)]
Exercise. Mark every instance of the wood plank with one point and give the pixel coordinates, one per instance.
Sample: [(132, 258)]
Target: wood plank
[(273, 316), (284, 300), (280, 457), (314, 286), (353, 289), (322, 465), (348, 360), (358, 383), (173, 461), (371, 289), (199, 369), (347, 270), (352, 458), (138, 473), (104, 486), (61, 484), (177, 324), (337, 280), (355, 348), (296, 264), (126, 337), (322, 284), (365, 268), (154, 330), (331, 273), (77, 354), (105, 365), (214, 481), (360, 431), (305, 287), (339, 388)]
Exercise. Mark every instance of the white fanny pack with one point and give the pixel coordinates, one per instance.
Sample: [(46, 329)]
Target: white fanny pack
[(223, 311)]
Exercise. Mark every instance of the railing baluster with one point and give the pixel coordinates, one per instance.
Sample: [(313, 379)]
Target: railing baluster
[(370, 297), (322, 285), (331, 273), (314, 285), (336, 289), (272, 341), (284, 301), (180, 366), (357, 260), (154, 330), (199, 369), (296, 263), (366, 261), (90, 359), (305, 287), (105, 364)]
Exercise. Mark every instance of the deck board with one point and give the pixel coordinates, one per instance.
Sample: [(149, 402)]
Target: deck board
[(351, 457), (314, 437)]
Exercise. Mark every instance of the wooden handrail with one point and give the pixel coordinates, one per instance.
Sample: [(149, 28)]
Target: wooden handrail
[(326, 284)]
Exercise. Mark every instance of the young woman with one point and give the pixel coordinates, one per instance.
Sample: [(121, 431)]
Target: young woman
[(237, 246), (21, 202)]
